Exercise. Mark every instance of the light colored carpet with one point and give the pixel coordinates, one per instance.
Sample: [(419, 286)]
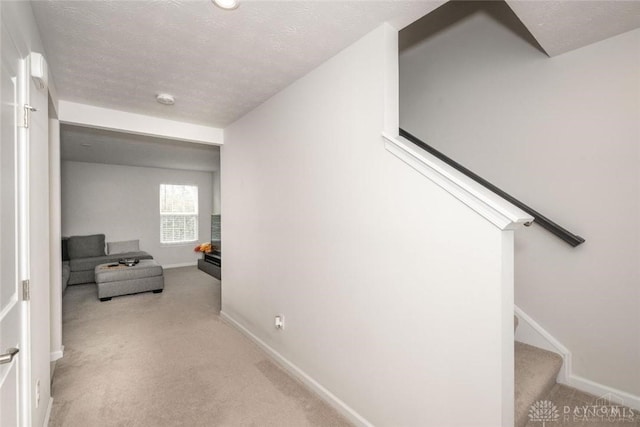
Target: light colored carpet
[(535, 375), (169, 360), (578, 409)]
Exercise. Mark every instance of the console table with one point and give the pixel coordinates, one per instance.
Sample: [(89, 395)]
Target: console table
[(211, 264)]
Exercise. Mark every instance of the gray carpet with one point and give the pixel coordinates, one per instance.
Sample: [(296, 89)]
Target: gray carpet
[(169, 360)]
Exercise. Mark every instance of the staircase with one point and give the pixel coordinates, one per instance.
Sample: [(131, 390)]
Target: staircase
[(536, 371)]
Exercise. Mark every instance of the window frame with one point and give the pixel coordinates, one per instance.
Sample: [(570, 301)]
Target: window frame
[(195, 215)]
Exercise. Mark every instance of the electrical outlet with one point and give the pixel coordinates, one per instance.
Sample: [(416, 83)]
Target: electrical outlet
[(37, 393), (279, 322)]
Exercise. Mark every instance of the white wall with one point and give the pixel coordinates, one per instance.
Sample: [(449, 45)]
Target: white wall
[(216, 193), (562, 135), (18, 17), (380, 274), (122, 202), (55, 250)]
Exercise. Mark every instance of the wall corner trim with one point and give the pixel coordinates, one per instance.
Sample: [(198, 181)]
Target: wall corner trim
[(492, 207), (298, 373)]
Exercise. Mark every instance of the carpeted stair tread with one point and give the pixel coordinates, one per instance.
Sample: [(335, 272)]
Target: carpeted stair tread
[(535, 375)]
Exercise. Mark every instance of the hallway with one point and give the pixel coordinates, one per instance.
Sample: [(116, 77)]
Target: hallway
[(169, 360)]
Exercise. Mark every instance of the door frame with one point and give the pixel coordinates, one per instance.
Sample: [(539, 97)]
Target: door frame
[(24, 219), (23, 359)]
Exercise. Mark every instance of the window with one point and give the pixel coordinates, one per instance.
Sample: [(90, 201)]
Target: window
[(178, 213)]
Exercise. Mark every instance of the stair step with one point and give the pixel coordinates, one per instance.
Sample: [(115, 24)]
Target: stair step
[(536, 371), (515, 322)]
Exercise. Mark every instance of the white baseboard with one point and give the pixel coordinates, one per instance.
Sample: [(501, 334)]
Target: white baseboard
[(530, 332), (56, 355), (183, 264), (325, 394), (592, 387), (47, 415)]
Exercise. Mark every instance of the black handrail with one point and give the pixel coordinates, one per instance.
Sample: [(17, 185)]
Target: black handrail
[(572, 239)]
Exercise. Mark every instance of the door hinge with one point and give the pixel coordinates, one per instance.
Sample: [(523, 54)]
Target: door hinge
[(26, 115), (26, 290)]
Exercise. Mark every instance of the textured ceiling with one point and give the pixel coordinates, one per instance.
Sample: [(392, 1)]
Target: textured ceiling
[(101, 146), (221, 64), (562, 26), (218, 64)]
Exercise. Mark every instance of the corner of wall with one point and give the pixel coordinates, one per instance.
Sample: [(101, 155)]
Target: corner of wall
[(392, 82)]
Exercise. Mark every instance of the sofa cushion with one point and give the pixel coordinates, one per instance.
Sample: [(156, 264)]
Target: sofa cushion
[(122, 247), (90, 263), (85, 246)]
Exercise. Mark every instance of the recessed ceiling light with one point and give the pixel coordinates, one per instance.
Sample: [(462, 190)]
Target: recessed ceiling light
[(226, 4), (165, 98)]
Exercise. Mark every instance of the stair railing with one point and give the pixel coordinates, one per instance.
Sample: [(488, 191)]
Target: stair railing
[(564, 234)]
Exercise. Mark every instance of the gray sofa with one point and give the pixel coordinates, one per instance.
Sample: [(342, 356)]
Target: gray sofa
[(83, 253)]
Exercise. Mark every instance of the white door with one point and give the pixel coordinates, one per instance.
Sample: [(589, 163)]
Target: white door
[(11, 323)]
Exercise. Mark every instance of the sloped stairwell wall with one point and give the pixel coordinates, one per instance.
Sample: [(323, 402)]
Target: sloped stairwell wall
[(562, 134), (393, 291)]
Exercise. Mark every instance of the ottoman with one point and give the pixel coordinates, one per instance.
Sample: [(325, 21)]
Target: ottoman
[(122, 280)]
